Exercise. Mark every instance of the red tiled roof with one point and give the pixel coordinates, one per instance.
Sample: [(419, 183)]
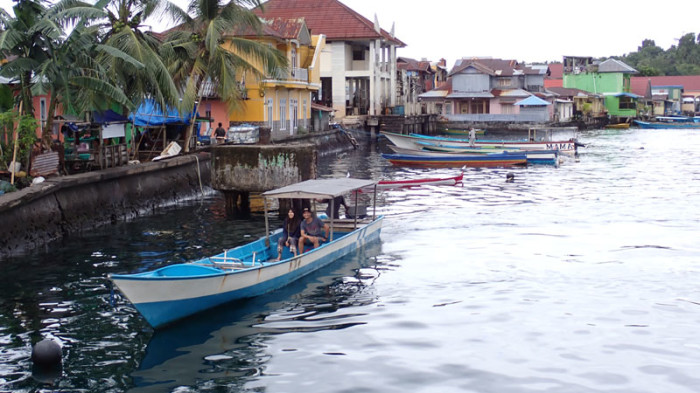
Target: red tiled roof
[(330, 17), (406, 63), (274, 27), (690, 83)]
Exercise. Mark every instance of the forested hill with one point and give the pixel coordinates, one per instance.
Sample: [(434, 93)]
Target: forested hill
[(652, 60)]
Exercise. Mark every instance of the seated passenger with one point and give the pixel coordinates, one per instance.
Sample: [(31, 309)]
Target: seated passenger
[(290, 234), (311, 227)]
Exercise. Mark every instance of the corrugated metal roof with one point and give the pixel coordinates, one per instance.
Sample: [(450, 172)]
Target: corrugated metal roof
[(470, 95), (320, 188), (434, 94), (614, 65)]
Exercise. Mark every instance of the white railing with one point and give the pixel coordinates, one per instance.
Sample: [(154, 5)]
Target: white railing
[(294, 74)]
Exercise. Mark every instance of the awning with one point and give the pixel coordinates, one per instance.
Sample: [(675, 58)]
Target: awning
[(532, 101), (319, 188), (322, 108)]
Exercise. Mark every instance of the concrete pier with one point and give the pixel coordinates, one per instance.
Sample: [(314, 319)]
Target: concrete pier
[(238, 170)]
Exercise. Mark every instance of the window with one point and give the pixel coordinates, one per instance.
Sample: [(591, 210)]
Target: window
[(270, 117), (448, 108), (303, 115), (294, 61), (627, 103), (42, 112), (283, 115), (293, 115), (503, 82), (358, 54)]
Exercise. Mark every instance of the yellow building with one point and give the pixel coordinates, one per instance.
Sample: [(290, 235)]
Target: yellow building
[(283, 101)]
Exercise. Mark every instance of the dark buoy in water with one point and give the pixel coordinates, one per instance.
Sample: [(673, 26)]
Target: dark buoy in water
[(510, 178), (47, 354)]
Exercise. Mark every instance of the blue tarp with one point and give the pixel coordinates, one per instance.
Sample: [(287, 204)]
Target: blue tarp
[(148, 114), (108, 116)]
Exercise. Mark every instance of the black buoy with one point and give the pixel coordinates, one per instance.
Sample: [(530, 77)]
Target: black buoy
[(510, 178), (47, 354)]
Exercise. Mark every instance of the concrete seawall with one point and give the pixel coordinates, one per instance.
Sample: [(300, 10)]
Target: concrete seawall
[(34, 216), (59, 206)]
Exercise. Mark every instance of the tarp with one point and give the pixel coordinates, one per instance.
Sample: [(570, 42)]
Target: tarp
[(148, 114), (108, 116)]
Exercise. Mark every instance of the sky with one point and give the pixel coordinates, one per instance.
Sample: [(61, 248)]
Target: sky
[(529, 31)]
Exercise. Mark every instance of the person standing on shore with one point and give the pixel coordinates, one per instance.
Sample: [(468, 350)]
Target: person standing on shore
[(220, 134)]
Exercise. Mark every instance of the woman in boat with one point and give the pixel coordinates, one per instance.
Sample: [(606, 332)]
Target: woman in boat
[(290, 234)]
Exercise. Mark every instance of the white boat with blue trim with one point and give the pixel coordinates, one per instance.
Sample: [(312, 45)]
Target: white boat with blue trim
[(170, 293)]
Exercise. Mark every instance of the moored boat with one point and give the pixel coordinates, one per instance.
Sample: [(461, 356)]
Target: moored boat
[(410, 183), (543, 157), (414, 142), (618, 126), (451, 161), (663, 125), (173, 292)]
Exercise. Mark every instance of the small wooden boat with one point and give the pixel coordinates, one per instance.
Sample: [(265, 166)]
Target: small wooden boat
[(413, 142), (170, 293), (410, 183), (451, 161), (542, 157), (617, 126), (663, 125)]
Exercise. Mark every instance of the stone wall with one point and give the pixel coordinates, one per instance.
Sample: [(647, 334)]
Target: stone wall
[(59, 206)]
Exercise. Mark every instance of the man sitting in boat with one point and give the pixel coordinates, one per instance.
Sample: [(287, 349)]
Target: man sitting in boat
[(311, 227), (290, 234)]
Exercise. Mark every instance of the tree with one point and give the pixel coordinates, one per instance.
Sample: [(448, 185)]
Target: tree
[(196, 53)]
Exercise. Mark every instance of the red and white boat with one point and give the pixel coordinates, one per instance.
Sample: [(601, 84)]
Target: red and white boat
[(433, 181)]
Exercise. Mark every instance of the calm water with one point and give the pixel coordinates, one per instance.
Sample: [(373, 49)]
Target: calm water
[(581, 278)]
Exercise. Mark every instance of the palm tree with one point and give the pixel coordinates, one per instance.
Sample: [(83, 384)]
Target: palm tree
[(123, 29), (195, 51), (23, 45)]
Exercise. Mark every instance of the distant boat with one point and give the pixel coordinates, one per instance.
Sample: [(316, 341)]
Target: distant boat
[(542, 157), (452, 161), (618, 125), (170, 293), (410, 183), (414, 142), (665, 125)]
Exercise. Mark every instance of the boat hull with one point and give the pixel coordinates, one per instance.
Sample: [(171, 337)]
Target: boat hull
[(666, 125), (417, 142), (165, 299), (476, 161)]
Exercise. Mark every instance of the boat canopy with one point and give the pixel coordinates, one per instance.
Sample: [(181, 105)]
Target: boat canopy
[(319, 188)]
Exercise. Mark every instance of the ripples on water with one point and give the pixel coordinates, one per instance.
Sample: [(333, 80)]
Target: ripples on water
[(581, 278)]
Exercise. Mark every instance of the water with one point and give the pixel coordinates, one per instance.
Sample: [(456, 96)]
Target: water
[(581, 278)]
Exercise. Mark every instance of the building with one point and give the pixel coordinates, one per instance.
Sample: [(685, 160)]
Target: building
[(281, 101), (358, 62), (414, 78), (610, 78), (487, 90), (648, 86)]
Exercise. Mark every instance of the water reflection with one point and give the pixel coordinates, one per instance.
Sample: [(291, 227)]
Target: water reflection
[(229, 342)]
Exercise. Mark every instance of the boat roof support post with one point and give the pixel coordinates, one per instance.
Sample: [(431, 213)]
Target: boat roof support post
[(354, 216), (332, 211), (374, 204), (267, 224)]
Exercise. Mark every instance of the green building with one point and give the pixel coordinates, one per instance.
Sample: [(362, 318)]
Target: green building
[(611, 78)]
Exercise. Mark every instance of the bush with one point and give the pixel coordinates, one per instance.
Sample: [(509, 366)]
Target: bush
[(25, 140)]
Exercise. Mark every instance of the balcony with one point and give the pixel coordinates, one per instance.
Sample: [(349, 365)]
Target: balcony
[(291, 74)]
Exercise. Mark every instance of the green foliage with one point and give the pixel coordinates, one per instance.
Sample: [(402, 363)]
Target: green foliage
[(26, 137), (681, 59), (6, 100)]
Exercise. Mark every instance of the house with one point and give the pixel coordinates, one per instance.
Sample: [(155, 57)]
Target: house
[(610, 78), (414, 78), (281, 101), (689, 99), (440, 72), (586, 105), (486, 89), (358, 62)]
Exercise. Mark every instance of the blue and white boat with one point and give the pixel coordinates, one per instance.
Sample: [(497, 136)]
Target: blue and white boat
[(170, 293)]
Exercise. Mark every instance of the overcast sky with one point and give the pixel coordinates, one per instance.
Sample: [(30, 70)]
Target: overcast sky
[(531, 31)]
